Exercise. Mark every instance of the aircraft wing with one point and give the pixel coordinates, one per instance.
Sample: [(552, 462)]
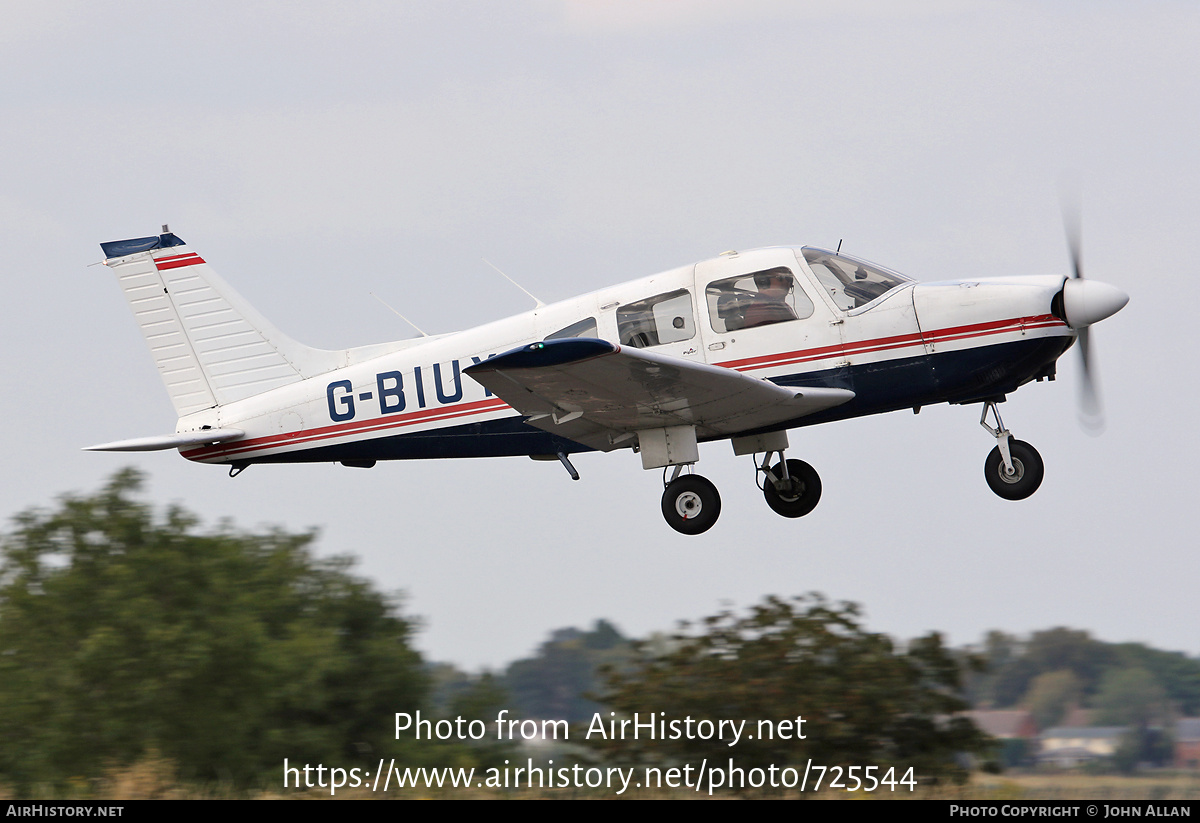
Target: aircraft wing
[(168, 441), (599, 394)]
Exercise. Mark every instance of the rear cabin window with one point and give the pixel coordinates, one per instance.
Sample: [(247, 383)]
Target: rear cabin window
[(757, 299), (584, 328), (664, 318)]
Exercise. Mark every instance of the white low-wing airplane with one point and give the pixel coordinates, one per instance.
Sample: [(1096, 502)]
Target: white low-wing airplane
[(741, 347)]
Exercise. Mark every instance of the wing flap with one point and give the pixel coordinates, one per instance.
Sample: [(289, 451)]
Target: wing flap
[(597, 393)]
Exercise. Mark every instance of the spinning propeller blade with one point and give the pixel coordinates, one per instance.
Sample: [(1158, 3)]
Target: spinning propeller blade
[(1091, 410)]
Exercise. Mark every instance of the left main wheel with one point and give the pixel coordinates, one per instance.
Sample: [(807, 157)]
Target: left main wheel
[(691, 504)]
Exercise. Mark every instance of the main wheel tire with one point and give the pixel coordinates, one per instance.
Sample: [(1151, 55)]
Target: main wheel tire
[(801, 492), (1028, 471), (691, 504)]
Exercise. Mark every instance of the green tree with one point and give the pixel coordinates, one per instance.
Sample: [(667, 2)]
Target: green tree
[(124, 633), (1015, 666), (1178, 674), (864, 702), (1130, 697), (999, 650), (555, 683), (482, 700), (1143, 745), (1077, 651), (1051, 695)]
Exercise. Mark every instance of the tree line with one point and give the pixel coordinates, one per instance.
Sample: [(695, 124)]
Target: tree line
[(128, 632)]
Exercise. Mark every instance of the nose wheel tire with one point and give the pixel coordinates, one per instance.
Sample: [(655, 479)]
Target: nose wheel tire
[(1028, 471), (691, 504), (798, 494)]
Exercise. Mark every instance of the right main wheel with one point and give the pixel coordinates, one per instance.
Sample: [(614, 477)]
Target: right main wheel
[(1028, 471), (796, 496), (691, 504)]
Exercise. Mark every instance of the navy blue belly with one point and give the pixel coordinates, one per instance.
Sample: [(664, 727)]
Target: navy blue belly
[(943, 377)]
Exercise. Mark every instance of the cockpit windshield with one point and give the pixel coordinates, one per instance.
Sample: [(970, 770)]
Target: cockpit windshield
[(850, 282)]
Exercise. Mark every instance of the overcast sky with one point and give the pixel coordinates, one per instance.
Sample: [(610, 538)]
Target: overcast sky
[(316, 152)]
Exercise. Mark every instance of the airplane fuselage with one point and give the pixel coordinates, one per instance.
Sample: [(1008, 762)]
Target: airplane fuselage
[(894, 343)]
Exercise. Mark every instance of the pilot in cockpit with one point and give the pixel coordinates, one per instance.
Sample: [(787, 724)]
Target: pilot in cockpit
[(770, 306)]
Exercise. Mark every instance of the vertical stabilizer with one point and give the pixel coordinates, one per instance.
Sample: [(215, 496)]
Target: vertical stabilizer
[(210, 346)]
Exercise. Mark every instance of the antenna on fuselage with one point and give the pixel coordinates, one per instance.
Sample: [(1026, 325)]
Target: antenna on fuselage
[(514, 282), (398, 314), (839, 248)]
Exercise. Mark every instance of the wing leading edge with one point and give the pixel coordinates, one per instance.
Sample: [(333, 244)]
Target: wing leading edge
[(600, 394)]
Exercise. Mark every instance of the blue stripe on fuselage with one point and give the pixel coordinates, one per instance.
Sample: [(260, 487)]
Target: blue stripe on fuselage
[(963, 376)]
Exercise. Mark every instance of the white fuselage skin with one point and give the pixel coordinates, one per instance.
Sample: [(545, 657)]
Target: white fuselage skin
[(420, 388)]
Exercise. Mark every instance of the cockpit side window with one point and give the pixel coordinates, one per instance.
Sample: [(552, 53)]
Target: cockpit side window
[(850, 282), (584, 328), (756, 299), (664, 318)]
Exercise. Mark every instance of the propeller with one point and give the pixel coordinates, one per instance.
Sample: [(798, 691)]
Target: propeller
[(1086, 302), (1091, 411)]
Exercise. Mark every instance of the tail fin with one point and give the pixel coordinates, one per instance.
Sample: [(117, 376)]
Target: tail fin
[(211, 347)]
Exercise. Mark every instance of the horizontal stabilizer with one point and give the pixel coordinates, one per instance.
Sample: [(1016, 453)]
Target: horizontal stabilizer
[(169, 441)]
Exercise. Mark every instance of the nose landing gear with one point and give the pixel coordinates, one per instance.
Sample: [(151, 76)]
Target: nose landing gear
[(1013, 469)]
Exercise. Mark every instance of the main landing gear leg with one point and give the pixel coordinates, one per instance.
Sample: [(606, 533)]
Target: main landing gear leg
[(792, 488), (690, 503), (1014, 469)]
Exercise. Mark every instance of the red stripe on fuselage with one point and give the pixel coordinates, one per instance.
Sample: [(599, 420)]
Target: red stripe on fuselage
[(900, 341), (341, 429)]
